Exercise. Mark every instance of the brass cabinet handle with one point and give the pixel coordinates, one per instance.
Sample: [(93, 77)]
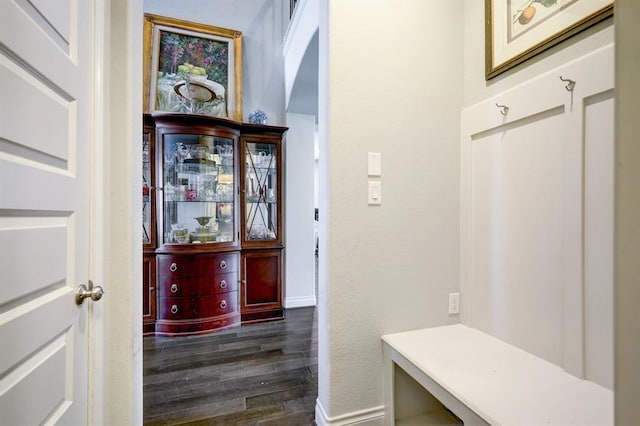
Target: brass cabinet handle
[(174, 309), (174, 288), (223, 264), (223, 304), (173, 267), (223, 284)]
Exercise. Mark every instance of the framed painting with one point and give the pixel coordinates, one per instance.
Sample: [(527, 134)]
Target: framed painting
[(517, 30), (192, 68)]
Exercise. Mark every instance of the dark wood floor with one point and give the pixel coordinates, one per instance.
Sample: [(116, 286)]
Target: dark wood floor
[(262, 374)]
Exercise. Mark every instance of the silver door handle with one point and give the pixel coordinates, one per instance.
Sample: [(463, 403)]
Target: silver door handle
[(93, 292)]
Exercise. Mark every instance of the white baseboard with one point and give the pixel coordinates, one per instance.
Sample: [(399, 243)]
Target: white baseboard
[(370, 417), (299, 302)]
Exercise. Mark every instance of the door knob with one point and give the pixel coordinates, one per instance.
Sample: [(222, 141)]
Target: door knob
[(93, 292)]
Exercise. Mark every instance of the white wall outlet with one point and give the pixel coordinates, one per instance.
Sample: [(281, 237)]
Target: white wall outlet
[(454, 303)]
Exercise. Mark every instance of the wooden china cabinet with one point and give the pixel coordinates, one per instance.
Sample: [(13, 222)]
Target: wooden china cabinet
[(148, 227), (261, 237), (213, 254)]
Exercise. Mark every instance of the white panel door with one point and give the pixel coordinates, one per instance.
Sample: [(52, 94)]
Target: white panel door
[(45, 145)]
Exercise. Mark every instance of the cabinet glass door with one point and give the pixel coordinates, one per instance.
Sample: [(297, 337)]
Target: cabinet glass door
[(199, 189), (261, 191), (146, 189)]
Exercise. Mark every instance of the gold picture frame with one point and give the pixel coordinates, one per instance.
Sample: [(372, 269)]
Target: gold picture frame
[(191, 68), (517, 30)]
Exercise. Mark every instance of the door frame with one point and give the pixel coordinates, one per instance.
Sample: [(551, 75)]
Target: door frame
[(115, 388), (96, 360)]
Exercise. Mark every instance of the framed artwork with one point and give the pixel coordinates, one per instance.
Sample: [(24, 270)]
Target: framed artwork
[(517, 30), (192, 68)]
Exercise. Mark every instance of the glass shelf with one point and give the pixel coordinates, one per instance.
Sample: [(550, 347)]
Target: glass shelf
[(261, 191), (146, 189), (264, 169), (226, 200), (198, 189)]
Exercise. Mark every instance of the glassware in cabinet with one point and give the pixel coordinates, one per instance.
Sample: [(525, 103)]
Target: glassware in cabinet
[(148, 186), (199, 189), (261, 190)]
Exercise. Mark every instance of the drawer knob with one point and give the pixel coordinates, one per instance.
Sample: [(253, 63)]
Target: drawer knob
[(223, 304), (174, 309), (173, 267), (223, 264), (174, 288), (223, 284)]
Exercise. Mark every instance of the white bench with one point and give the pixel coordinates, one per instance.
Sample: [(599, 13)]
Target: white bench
[(484, 380)]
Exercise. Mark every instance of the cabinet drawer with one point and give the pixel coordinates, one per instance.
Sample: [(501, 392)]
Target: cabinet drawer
[(219, 283), (175, 266), (176, 308), (176, 287), (218, 264)]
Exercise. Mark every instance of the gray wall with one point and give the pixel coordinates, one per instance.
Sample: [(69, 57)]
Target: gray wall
[(390, 82), (627, 268), (299, 223)]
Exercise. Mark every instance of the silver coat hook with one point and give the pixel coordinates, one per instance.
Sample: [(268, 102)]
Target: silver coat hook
[(503, 109), (571, 84)]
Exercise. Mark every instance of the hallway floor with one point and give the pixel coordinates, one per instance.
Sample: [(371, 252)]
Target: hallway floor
[(260, 374)]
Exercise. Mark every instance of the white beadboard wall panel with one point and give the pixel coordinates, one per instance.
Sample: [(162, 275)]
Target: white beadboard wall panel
[(525, 181), (517, 235), (598, 249)]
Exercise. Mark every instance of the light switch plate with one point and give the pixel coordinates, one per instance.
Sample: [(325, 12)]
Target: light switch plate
[(374, 164), (375, 192)]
